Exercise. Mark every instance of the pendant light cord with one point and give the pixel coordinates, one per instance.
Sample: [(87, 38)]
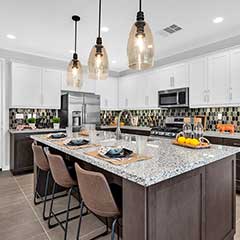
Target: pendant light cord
[(140, 5), (75, 46), (99, 18)]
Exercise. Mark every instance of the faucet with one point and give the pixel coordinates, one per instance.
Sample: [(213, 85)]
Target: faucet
[(118, 130)]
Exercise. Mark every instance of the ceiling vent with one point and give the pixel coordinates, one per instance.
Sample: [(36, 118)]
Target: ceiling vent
[(169, 30)]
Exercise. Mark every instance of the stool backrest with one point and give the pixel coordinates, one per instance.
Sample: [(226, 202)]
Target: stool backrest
[(59, 170), (96, 193), (39, 157)]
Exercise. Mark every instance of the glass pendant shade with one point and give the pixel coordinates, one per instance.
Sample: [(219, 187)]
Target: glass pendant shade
[(74, 74), (140, 49), (98, 64)]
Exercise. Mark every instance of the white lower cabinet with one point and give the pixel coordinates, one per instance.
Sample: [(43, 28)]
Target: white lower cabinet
[(108, 90), (35, 87)]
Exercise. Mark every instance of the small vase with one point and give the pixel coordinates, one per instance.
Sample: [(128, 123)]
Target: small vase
[(32, 125), (56, 125)]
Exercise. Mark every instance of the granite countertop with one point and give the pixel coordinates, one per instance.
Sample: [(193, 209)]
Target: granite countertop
[(235, 135), (167, 160), (138, 128), (42, 130)]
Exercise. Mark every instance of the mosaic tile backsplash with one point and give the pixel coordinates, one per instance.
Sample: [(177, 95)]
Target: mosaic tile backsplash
[(156, 117), (43, 117)]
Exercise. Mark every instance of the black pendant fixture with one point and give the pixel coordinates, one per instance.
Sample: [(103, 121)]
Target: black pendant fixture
[(74, 70), (98, 58), (140, 48)]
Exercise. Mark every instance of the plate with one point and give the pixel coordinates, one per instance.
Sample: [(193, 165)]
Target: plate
[(115, 152)]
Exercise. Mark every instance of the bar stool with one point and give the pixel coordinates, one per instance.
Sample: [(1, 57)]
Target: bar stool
[(61, 177), (97, 197), (42, 164)]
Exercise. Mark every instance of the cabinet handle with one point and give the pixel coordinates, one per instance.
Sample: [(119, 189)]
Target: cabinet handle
[(126, 102), (236, 144), (230, 96), (172, 81)]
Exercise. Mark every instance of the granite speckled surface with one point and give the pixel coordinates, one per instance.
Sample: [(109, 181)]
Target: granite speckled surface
[(235, 135), (167, 161), (43, 130)]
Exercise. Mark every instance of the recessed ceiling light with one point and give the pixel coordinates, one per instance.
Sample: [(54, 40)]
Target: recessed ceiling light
[(105, 29), (114, 61), (218, 19), (10, 36)]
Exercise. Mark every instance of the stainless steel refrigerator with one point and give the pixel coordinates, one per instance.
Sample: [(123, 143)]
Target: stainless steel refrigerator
[(78, 109)]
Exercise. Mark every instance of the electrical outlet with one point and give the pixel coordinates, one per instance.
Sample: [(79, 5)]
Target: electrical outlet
[(19, 116), (219, 116)]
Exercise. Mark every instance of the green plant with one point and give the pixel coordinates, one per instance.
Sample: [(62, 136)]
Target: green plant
[(31, 120), (56, 120)]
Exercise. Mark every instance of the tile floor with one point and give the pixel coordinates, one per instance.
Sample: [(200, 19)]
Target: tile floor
[(20, 219)]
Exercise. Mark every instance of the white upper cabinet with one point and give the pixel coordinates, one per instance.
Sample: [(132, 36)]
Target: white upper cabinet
[(218, 79), (234, 91), (35, 87), (51, 88), (174, 77), (26, 86), (108, 90), (88, 85), (198, 82)]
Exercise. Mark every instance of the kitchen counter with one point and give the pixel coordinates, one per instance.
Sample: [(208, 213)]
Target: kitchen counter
[(198, 185), (138, 128), (217, 134), (167, 161), (37, 130)]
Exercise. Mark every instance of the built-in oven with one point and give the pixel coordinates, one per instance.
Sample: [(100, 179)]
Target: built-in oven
[(174, 98)]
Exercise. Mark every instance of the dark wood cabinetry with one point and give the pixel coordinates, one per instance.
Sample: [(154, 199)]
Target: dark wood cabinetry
[(21, 156), (233, 143)]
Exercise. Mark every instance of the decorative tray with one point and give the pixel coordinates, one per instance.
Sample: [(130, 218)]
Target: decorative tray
[(200, 146)]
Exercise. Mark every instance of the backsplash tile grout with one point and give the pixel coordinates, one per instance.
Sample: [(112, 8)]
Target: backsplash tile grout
[(43, 116), (156, 117)]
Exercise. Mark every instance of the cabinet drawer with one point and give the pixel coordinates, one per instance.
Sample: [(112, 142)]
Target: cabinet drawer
[(215, 140)]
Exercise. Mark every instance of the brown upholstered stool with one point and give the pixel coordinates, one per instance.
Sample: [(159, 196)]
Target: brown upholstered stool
[(41, 162), (97, 197), (61, 177)]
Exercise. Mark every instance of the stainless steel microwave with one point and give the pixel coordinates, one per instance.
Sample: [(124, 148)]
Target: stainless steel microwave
[(174, 98)]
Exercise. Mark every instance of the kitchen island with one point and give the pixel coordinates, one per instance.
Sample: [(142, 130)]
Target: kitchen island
[(179, 193)]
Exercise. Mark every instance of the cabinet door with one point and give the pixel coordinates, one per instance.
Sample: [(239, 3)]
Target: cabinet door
[(166, 78), (181, 78), (89, 85), (218, 79), (198, 82), (26, 86), (234, 94), (108, 91), (51, 89)]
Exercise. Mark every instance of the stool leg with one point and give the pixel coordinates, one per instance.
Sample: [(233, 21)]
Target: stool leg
[(51, 206), (113, 228), (67, 214), (118, 232), (80, 220), (45, 198), (35, 188)]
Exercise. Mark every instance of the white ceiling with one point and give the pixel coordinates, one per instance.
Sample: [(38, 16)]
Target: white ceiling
[(45, 27)]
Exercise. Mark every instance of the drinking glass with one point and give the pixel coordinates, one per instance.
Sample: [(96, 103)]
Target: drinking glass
[(141, 143)]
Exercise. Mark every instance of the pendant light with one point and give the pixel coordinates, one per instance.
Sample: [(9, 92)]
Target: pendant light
[(98, 58), (74, 70), (140, 48)]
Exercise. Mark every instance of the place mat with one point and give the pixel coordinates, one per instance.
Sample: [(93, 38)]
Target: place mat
[(134, 158), (62, 144)]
